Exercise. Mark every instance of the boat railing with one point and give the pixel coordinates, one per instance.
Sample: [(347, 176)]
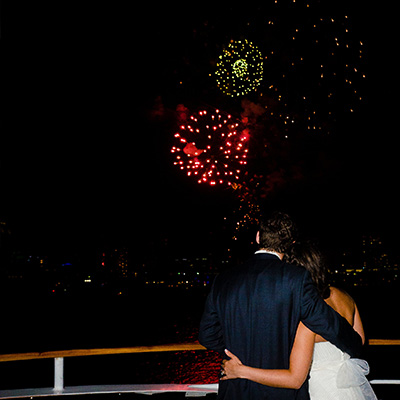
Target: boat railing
[(190, 390)]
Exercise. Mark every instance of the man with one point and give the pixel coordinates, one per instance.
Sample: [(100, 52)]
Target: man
[(254, 311)]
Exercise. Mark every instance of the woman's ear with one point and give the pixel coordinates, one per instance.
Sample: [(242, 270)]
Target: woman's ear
[(258, 237)]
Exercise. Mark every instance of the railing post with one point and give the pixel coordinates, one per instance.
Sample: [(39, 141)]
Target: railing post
[(58, 374)]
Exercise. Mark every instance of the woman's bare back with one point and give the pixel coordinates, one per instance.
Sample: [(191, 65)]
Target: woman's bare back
[(343, 303)]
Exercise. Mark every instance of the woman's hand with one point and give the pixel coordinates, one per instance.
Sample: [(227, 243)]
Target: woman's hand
[(231, 368)]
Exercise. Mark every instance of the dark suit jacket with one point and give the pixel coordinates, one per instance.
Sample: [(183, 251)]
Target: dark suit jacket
[(254, 311)]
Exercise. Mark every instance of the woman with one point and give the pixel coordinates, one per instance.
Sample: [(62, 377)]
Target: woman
[(333, 375)]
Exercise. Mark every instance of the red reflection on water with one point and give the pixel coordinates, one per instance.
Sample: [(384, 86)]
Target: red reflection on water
[(191, 367)]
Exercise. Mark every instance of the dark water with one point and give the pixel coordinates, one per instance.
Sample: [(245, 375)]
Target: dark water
[(147, 318), (143, 318)]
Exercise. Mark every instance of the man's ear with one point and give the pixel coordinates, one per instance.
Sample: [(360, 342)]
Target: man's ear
[(258, 237)]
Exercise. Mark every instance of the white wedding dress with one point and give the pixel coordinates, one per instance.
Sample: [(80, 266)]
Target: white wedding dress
[(336, 376)]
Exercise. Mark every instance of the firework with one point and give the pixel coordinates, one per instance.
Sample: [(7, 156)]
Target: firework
[(211, 148), (315, 65), (240, 68), (303, 63)]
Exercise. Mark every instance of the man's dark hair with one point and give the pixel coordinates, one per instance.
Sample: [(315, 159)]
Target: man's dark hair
[(277, 232)]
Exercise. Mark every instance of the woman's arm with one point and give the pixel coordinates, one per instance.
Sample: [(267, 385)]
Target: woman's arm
[(292, 378)]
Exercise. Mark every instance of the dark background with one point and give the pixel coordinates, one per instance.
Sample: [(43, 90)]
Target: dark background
[(85, 159), (89, 92)]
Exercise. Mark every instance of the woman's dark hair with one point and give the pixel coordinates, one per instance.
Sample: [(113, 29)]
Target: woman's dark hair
[(307, 255)]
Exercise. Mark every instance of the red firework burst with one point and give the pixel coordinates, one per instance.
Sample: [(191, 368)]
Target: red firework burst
[(211, 148)]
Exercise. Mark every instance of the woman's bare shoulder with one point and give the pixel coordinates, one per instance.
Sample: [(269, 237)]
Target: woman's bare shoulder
[(340, 295), (343, 303)]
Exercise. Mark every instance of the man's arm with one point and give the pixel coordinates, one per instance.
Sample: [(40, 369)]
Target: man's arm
[(210, 332), (326, 322)]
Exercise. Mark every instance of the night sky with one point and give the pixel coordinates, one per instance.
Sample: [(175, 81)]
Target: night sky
[(90, 91)]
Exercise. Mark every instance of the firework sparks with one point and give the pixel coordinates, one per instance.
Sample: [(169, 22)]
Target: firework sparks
[(211, 148), (240, 68)]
